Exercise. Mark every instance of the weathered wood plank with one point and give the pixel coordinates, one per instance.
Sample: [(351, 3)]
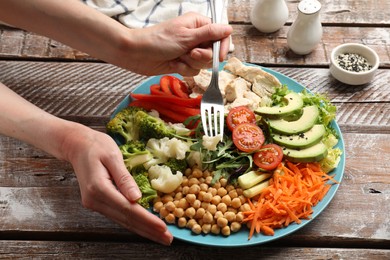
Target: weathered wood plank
[(250, 45), (34, 203), (121, 250), (349, 12), (89, 92)]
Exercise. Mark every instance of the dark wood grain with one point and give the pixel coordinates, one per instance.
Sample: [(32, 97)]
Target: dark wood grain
[(118, 250)]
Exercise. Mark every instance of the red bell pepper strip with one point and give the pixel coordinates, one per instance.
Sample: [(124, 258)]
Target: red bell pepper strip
[(167, 110), (155, 89), (165, 84), (184, 102), (179, 88)]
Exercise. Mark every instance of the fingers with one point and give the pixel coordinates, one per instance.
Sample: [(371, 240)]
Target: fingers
[(122, 178), (211, 32), (131, 215)]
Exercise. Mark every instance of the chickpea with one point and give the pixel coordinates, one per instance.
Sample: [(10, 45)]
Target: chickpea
[(212, 190), (225, 231), (207, 197), (170, 206), (201, 194), (233, 193), (197, 204), (189, 212), (182, 222), (201, 180), (207, 218), (194, 189), (157, 206), (183, 203), (190, 223), (235, 226), (231, 209), (203, 187), (197, 229), (222, 207), (190, 198), (239, 191), (239, 217), (222, 191), (170, 218), (230, 216), (197, 173), (223, 182), (178, 212), (245, 207), (163, 212), (236, 203), (166, 198), (230, 188), (222, 222), (227, 200), (206, 228), (217, 185), (216, 200), (215, 229), (178, 195), (185, 190), (206, 173), (218, 214), (208, 180), (193, 181), (205, 205), (242, 198), (199, 213), (212, 209)]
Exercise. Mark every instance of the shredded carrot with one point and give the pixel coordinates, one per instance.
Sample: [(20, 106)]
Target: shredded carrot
[(293, 191)]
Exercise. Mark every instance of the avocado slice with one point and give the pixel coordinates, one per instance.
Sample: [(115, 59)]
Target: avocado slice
[(313, 153), (307, 120), (302, 140), (294, 105)]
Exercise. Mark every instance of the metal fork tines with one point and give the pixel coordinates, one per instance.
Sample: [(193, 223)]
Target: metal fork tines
[(212, 107)]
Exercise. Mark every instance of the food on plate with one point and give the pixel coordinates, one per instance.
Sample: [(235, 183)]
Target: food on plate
[(273, 137), (240, 84)]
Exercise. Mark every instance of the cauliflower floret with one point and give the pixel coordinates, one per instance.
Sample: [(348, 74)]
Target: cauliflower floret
[(162, 178), (194, 158), (211, 142), (165, 148)]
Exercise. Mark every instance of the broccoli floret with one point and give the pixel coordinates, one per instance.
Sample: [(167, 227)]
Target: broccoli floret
[(152, 127), (123, 125), (134, 154), (148, 193), (177, 165)]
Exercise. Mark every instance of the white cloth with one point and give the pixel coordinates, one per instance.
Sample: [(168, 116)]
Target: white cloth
[(144, 13)]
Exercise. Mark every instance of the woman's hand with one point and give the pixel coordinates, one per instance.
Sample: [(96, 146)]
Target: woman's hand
[(182, 45), (106, 185)]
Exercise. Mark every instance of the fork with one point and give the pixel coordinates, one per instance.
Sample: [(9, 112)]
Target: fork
[(211, 106)]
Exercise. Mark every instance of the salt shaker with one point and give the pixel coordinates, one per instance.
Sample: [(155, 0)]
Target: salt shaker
[(306, 31), (269, 15)]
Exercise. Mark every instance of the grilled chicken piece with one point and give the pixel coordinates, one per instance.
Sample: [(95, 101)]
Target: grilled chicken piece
[(199, 83), (236, 89), (263, 83)]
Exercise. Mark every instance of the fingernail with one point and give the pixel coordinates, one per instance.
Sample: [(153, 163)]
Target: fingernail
[(134, 194)]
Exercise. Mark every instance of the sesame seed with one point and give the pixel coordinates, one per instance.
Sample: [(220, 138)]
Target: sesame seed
[(353, 62)]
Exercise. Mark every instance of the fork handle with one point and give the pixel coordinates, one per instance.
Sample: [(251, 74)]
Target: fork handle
[(217, 7)]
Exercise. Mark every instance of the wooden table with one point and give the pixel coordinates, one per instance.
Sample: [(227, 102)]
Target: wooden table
[(40, 211)]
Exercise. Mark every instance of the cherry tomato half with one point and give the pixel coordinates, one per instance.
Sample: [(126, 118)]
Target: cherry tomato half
[(248, 137), (268, 157), (239, 115)]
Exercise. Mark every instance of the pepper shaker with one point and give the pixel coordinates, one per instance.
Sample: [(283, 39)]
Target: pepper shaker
[(269, 15), (306, 31)]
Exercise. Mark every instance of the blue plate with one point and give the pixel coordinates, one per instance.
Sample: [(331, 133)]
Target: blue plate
[(241, 238)]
